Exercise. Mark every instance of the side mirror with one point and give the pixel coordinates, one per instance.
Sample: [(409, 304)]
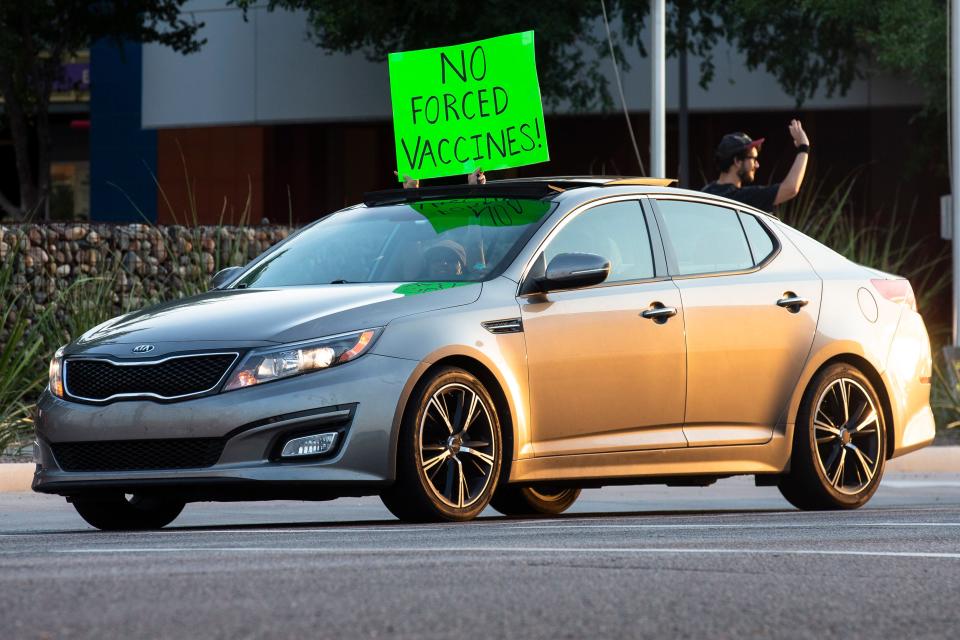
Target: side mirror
[(572, 271), (223, 276)]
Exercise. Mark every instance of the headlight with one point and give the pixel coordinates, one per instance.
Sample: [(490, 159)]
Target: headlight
[(265, 365), (56, 373)]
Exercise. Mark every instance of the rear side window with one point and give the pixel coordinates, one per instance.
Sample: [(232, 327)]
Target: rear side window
[(761, 245), (705, 238)]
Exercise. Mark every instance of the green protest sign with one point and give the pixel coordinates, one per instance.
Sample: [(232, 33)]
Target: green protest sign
[(467, 106)]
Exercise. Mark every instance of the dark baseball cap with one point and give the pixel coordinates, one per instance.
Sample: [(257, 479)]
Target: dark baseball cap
[(734, 143)]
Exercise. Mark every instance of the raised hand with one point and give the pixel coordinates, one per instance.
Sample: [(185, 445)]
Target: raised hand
[(408, 182), (798, 134), (476, 177)]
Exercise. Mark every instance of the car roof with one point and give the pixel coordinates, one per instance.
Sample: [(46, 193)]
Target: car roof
[(549, 187)]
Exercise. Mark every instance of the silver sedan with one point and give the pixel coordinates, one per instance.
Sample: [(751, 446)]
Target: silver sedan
[(507, 344)]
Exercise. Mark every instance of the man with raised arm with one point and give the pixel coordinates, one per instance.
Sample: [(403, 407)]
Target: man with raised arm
[(737, 162)]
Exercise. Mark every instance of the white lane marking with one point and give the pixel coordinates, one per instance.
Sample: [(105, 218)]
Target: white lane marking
[(347, 529), (811, 525), (509, 550), (502, 528)]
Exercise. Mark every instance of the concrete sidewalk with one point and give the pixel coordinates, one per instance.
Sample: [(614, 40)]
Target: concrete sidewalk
[(17, 476)]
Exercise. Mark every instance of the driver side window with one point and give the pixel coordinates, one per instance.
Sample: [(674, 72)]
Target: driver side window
[(617, 231)]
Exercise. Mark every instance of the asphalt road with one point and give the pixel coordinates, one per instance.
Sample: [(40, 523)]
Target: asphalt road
[(727, 561)]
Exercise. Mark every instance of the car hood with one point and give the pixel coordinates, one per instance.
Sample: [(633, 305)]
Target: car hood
[(246, 317)]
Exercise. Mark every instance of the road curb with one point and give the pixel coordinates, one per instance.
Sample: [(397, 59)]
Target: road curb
[(17, 476)]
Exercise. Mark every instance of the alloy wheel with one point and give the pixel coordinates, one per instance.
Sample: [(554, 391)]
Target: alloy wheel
[(457, 449), (848, 440)]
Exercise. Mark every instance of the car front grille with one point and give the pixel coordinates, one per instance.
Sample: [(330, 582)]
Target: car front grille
[(134, 455), (175, 377)]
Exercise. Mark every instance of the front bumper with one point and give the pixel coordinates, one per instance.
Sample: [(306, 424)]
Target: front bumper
[(362, 399)]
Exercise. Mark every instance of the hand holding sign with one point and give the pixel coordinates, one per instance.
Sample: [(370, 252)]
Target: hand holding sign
[(477, 177), (457, 108)]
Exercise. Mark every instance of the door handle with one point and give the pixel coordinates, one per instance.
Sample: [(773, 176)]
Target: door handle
[(659, 313), (792, 302)]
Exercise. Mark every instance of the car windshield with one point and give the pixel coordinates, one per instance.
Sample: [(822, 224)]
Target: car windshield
[(464, 240)]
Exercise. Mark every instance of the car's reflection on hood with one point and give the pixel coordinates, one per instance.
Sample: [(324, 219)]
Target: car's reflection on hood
[(281, 315)]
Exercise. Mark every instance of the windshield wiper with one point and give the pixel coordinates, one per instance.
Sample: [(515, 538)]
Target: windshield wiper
[(340, 282)]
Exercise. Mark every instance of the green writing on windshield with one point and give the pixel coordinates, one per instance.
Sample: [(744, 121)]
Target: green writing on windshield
[(486, 212), (469, 106)]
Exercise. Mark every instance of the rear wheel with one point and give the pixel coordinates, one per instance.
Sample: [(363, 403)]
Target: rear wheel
[(120, 512), (839, 443), (449, 453), (512, 500)]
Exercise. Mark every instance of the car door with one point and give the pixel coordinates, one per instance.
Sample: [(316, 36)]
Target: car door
[(751, 305), (602, 376)]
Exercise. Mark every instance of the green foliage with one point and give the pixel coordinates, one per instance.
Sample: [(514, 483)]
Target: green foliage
[(809, 44), (565, 34), (692, 25), (35, 37), (18, 353), (813, 45)]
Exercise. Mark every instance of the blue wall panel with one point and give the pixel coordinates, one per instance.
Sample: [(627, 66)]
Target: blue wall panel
[(123, 157)]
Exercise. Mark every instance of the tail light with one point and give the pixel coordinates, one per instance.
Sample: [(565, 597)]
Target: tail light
[(898, 291)]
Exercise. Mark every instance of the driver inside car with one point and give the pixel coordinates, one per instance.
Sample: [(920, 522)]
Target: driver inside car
[(445, 260)]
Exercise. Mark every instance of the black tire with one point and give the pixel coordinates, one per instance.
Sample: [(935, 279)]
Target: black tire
[(511, 500), (117, 512), (840, 415), (471, 459)]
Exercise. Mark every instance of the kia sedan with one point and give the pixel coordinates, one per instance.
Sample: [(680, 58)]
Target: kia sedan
[(507, 344)]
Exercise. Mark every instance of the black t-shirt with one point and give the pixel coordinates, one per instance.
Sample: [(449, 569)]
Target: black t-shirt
[(761, 197)]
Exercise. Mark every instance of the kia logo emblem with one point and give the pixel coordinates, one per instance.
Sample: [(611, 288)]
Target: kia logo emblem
[(143, 348)]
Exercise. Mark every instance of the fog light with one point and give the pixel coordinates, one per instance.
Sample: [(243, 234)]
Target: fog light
[(309, 445)]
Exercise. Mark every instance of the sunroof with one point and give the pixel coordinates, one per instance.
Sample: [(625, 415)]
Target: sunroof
[(536, 189)]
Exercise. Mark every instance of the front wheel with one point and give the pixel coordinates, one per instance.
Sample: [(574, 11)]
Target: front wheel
[(449, 453), (119, 512), (512, 500), (839, 443)]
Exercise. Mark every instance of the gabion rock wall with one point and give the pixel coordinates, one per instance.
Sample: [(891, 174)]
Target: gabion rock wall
[(142, 263)]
